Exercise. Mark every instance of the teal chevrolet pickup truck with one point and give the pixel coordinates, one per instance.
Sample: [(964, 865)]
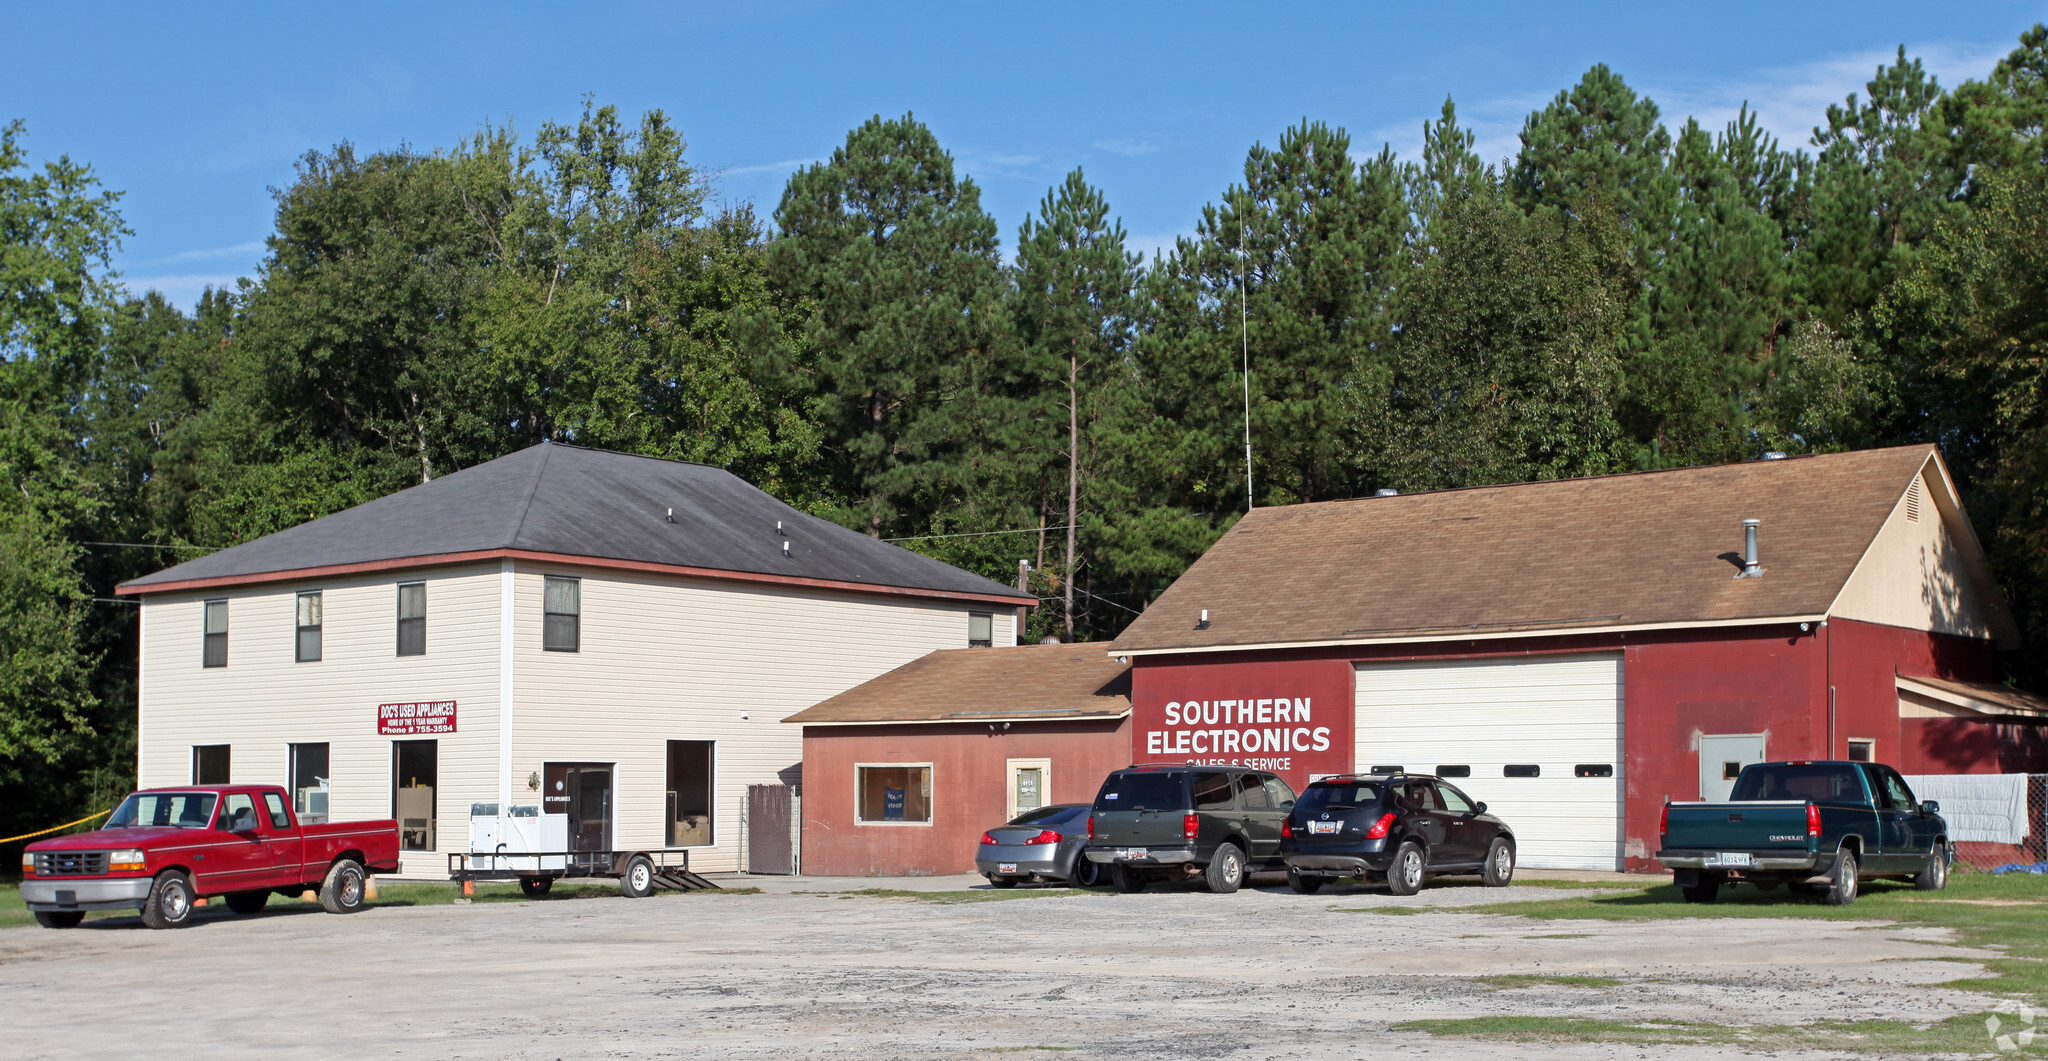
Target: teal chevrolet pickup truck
[(1822, 826)]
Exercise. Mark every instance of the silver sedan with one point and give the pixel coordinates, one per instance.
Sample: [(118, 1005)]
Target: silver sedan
[(1039, 845)]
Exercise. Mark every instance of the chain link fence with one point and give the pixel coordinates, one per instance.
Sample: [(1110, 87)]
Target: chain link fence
[(1979, 855)]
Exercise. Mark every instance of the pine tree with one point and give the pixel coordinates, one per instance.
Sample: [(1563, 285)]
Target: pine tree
[(1074, 308), (900, 262)]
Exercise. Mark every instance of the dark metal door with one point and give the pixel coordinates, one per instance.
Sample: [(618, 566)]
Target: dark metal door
[(768, 846)]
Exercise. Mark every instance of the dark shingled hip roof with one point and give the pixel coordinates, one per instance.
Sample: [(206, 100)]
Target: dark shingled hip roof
[(1638, 550), (570, 502), (1024, 683)]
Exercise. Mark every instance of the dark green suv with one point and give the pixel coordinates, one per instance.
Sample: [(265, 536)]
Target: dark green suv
[(1160, 823)]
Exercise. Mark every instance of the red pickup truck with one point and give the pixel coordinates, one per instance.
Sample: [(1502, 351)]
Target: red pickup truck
[(164, 848)]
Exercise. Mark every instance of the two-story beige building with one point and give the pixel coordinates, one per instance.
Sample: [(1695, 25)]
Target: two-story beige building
[(616, 638)]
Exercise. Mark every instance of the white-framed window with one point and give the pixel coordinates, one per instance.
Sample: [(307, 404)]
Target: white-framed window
[(306, 645), (892, 793), (981, 629), (1862, 750), (561, 613), (215, 648), (1030, 785), (412, 618)]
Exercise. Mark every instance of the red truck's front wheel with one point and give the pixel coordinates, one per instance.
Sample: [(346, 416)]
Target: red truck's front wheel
[(170, 901)]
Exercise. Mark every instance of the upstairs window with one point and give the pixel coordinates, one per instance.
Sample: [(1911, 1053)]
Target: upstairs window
[(562, 603), (981, 630), (307, 648), (412, 619), (215, 653)]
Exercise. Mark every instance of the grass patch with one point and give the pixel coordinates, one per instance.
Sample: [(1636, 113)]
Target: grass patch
[(1955, 1035), (1513, 980), (1563, 935), (965, 895), (14, 913), (2010, 924), (1389, 909)]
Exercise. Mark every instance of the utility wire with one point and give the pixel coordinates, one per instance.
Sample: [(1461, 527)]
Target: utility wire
[(976, 534), (152, 545)]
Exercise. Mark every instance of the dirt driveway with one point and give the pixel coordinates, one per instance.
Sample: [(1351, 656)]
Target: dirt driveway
[(1165, 974)]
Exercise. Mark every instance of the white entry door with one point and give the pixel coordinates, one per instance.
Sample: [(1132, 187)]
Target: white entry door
[(1539, 740), (1723, 757)]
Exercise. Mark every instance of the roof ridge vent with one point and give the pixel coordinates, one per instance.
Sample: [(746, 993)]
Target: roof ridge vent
[(1773, 455), (1386, 491)]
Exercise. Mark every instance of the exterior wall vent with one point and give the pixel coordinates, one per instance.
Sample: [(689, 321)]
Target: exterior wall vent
[(1913, 501)]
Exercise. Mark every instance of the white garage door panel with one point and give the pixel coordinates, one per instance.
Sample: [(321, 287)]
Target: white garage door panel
[(1486, 714)]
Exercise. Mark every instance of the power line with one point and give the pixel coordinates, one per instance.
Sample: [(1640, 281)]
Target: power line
[(152, 545), (978, 534)]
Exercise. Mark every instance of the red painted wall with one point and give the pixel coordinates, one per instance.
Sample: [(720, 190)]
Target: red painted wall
[(1292, 715), (1677, 686), (968, 788)]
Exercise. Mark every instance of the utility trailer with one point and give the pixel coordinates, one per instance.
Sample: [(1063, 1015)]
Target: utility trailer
[(533, 849)]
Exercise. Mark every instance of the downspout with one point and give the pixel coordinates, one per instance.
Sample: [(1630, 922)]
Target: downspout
[(1827, 648), (505, 615)]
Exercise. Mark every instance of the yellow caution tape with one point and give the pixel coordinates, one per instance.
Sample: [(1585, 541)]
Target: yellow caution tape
[(54, 828)]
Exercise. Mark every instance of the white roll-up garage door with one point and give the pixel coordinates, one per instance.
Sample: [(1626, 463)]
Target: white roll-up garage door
[(1500, 719)]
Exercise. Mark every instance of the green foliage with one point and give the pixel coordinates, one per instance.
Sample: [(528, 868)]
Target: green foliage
[(1506, 370), (1969, 316), (901, 263), (1075, 311), (1613, 297)]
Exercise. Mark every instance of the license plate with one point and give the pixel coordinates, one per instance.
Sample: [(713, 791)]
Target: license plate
[(1735, 858), (1321, 828), (1136, 852), (1006, 867)]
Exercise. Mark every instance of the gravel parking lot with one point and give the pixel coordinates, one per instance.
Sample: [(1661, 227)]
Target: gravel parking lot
[(797, 973)]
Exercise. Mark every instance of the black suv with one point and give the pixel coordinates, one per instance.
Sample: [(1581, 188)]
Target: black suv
[(1401, 828), (1156, 823)]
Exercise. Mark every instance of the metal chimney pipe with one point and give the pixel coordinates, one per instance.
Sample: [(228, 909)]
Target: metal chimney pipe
[(1750, 567)]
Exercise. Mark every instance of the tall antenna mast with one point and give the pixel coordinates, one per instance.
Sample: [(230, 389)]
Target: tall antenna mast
[(1245, 348)]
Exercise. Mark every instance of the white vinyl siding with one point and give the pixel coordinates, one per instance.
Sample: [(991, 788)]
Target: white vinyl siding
[(662, 659), (1554, 714), (659, 658), (266, 702)]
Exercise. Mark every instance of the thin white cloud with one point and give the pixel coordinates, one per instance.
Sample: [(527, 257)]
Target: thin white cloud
[(1789, 101), (1129, 147), (785, 166), (208, 253)]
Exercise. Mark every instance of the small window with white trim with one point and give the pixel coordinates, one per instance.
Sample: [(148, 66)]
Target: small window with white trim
[(893, 794), (215, 648), (981, 630), (562, 614), (1862, 750), (412, 619)]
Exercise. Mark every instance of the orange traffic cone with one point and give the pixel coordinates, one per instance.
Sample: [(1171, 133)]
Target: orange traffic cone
[(369, 889)]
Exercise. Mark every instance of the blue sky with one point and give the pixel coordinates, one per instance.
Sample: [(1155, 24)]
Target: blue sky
[(195, 113)]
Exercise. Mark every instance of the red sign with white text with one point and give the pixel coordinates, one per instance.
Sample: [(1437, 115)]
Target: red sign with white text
[(411, 720), (1291, 717)]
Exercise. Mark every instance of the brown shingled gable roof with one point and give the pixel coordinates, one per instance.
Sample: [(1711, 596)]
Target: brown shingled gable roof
[(1620, 551), (986, 685)]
